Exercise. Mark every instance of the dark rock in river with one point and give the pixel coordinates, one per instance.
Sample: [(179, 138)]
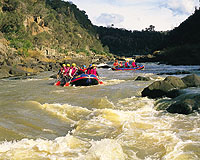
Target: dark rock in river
[(54, 76), (185, 104), (140, 78), (174, 73), (7, 71), (192, 80), (164, 88)]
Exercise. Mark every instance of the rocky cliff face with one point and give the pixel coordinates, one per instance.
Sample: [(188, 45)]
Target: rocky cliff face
[(36, 24)]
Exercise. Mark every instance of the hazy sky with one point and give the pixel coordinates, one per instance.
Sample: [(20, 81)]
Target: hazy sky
[(138, 14)]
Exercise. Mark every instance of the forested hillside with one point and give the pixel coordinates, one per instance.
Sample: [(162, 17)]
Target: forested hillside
[(128, 43), (53, 24), (182, 44)]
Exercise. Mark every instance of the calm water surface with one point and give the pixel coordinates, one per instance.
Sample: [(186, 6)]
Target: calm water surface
[(104, 122)]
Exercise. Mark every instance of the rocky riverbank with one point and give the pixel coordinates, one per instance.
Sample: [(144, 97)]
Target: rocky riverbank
[(13, 64), (172, 87)]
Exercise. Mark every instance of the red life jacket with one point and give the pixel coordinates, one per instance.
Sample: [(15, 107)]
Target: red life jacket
[(115, 64), (67, 71), (74, 69), (93, 71), (133, 64), (127, 65), (88, 71)]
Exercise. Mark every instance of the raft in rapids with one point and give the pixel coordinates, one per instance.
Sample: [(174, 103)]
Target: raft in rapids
[(85, 80), (129, 69), (80, 80)]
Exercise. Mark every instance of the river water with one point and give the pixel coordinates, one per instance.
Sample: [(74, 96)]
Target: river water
[(39, 121)]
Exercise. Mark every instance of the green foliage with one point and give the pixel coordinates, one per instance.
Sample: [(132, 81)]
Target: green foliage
[(87, 53), (186, 54), (10, 5), (182, 44), (22, 45), (187, 33), (128, 43), (11, 23)]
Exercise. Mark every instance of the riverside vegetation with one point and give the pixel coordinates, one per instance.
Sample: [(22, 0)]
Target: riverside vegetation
[(40, 35)]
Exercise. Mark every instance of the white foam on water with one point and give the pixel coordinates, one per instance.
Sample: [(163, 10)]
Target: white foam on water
[(132, 129), (113, 81), (135, 103), (66, 111), (60, 148), (58, 91), (179, 153), (106, 149)]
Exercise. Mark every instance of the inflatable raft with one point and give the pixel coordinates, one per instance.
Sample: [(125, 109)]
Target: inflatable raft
[(85, 80), (128, 69)]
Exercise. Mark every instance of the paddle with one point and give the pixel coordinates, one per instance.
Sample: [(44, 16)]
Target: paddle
[(57, 83), (100, 81), (68, 83)]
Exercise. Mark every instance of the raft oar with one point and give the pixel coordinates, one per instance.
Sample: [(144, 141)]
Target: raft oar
[(100, 81), (57, 83), (68, 83)]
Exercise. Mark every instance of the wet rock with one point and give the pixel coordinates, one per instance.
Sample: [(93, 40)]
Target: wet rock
[(140, 78), (54, 76), (185, 105), (9, 71), (174, 73), (4, 73), (192, 80), (164, 88)]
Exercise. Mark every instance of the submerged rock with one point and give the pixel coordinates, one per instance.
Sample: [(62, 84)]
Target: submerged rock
[(140, 78), (192, 80), (174, 73), (168, 87), (185, 105)]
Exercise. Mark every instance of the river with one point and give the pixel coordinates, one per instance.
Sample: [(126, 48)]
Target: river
[(39, 121)]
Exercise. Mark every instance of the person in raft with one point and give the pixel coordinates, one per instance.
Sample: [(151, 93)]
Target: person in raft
[(127, 65), (94, 70), (120, 64), (89, 69), (116, 64), (72, 70), (82, 70), (134, 64), (66, 70), (61, 71)]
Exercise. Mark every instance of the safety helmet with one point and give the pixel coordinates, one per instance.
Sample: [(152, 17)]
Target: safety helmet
[(73, 64), (90, 65), (93, 65), (64, 65), (84, 66), (68, 65)]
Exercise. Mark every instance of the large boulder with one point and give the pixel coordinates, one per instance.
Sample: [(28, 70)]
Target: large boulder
[(140, 78), (168, 87), (192, 80), (185, 105), (9, 71)]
